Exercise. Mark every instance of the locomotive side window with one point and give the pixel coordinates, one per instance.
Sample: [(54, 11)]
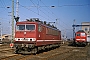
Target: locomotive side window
[(39, 28), (30, 27), (20, 27)]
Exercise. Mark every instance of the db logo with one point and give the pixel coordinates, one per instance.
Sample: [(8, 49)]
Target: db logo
[(11, 45)]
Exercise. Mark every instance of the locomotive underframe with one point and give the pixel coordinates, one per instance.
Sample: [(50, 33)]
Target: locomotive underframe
[(81, 43), (31, 48)]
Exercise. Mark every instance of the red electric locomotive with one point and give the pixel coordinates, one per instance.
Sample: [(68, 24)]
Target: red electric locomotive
[(80, 38), (34, 35)]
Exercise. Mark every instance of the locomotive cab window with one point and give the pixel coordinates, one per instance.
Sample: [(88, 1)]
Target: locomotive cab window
[(30, 27), (82, 34), (20, 27), (78, 34)]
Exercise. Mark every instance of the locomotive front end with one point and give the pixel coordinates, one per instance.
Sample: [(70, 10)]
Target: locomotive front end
[(25, 36), (81, 38)]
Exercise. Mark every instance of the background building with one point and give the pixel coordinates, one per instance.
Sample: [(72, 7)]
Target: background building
[(86, 29), (6, 36)]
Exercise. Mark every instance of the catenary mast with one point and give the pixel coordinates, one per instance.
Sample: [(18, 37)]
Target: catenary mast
[(12, 21)]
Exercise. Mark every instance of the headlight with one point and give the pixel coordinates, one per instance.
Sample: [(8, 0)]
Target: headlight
[(34, 39)]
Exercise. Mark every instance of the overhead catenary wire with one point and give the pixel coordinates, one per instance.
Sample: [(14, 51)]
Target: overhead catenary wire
[(54, 13), (50, 11), (59, 19), (2, 1), (78, 5), (41, 10), (2, 5), (47, 11), (38, 7), (48, 17), (36, 12), (31, 10)]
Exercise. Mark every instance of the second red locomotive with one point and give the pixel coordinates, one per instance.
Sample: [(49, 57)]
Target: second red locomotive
[(33, 35), (80, 38)]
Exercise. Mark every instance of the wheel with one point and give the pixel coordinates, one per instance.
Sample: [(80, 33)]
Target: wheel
[(34, 50), (16, 51)]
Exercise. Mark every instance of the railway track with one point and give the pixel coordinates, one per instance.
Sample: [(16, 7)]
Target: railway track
[(4, 46), (8, 55), (62, 53), (45, 55)]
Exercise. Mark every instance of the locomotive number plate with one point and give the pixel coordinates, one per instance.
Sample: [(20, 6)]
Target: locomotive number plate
[(25, 39)]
